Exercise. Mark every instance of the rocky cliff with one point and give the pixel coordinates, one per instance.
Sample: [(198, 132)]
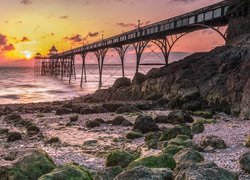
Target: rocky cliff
[(219, 79)]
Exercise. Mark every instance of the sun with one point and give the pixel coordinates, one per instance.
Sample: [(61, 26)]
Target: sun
[(27, 54)]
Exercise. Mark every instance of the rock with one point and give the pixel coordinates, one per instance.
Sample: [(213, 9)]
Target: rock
[(160, 161), (161, 119), (202, 171), (247, 141), (112, 107), (171, 133), (92, 99), (192, 105), (109, 173), (27, 164), (13, 116), (87, 110), (127, 123), (152, 144), (121, 82), (178, 117), (197, 127), (14, 136), (204, 114), (117, 121), (62, 111), (182, 140), (120, 158), (245, 162), (68, 171), (138, 79), (213, 141), (188, 155), (100, 120), (173, 149), (127, 109), (145, 124), (92, 124), (152, 135), (134, 135), (73, 118), (67, 105), (100, 109), (3, 131), (209, 149), (144, 173), (53, 140), (32, 130)]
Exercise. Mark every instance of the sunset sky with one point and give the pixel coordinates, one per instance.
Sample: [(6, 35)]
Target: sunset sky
[(30, 26)]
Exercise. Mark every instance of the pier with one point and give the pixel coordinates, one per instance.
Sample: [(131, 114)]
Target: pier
[(164, 34)]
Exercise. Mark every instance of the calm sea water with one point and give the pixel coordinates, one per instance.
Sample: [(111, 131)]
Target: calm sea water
[(20, 85)]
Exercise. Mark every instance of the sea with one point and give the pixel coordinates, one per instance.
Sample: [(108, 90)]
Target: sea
[(21, 85)]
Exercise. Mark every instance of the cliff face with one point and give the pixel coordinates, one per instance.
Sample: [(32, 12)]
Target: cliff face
[(219, 79), (239, 22)]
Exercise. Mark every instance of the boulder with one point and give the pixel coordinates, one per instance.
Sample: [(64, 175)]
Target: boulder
[(127, 109), (179, 117), (204, 114), (92, 99), (73, 118), (182, 140), (162, 119), (134, 135), (127, 123), (62, 111), (188, 155), (160, 161), (120, 158), (144, 173), (172, 149), (68, 171), (117, 121), (53, 140), (245, 162), (247, 141), (92, 124), (27, 164), (213, 141), (32, 130), (145, 124), (13, 116), (197, 127), (192, 105), (87, 110), (3, 131), (173, 132), (109, 173), (14, 136), (100, 120), (121, 82), (112, 106), (138, 79), (202, 171), (152, 139)]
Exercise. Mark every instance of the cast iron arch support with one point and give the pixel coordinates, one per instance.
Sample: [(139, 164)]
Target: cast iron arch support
[(139, 48), (84, 73), (100, 55), (122, 52)]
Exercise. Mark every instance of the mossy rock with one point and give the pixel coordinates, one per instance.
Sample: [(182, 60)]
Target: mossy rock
[(206, 121), (175, 131), (173, 149), (152, 143), (161, 161), (134, 135), (3, 131), (109, 173), (182, 140), (188, 155), (152, 135), (197, 127), (204, 114), (120, 158), (30, 165), (69, 172)]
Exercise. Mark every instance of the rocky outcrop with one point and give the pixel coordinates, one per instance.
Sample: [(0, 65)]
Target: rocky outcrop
[(218, 79)]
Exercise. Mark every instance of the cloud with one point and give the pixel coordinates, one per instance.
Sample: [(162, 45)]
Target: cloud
[(25, 39), (63, 17), (9, 47), (132, 25), (48, 35), (26, 2), (3, 40), (18, 22), (93, 34), (75, 38), (182, 1)]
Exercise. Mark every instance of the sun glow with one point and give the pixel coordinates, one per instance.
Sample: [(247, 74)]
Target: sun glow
[(27, 54)]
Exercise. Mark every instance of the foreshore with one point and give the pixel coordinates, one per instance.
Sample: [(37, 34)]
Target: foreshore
[(88, 144)]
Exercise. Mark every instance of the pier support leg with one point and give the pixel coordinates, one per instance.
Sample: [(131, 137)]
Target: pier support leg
[(122, 51), (100, 55), (83, 69), (139, 48)]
